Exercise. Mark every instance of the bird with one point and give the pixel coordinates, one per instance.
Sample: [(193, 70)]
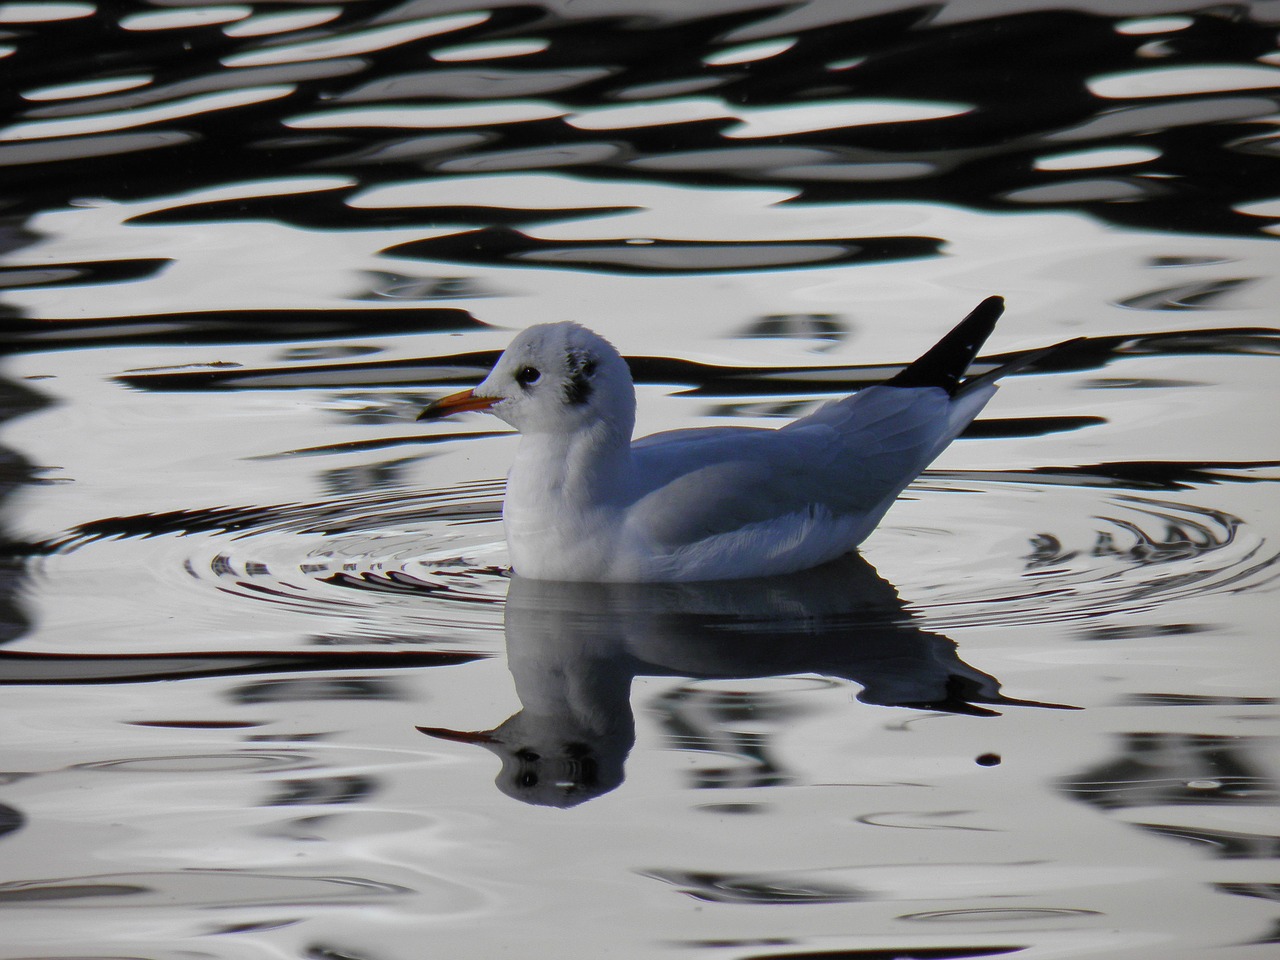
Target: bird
[(587, 503)]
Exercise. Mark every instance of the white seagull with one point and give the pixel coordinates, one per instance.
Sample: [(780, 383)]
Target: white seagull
[(586, 503)]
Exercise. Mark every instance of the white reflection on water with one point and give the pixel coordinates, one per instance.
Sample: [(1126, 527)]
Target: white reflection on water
[(178, 19), (137, 117), (242, 579), (351, 44), (1178, 81)]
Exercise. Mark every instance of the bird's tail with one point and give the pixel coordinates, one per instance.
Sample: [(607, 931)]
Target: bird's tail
[(944, 364)]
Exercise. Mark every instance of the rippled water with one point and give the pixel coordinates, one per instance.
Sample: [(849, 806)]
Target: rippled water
[(269, 689)]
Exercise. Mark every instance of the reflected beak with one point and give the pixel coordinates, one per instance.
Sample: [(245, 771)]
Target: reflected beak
[(456, 403), (459, 736)]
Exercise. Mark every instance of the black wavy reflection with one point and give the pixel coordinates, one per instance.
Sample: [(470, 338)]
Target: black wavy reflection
[(757, 888), (325, 210), (575, 648), (16, 470), (229, 327), (11, 819), (1160, 769), (1005, 98), (1168, 475), (715, 380), (351, 514), (499, 245), (59, 669)]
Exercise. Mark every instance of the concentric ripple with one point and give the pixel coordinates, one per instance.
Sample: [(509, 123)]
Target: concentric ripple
[(436, 558), (386, 568), (1007, 556), (431, 566)]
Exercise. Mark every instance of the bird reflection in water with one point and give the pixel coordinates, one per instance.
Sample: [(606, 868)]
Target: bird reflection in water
[(574, 648)]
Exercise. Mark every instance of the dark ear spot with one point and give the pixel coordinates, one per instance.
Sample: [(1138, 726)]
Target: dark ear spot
[(577, 387)]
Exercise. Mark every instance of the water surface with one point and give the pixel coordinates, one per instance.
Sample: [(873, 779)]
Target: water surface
[(270, 689)]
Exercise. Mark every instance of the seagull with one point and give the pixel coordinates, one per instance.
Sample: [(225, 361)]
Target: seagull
[(586, 503)]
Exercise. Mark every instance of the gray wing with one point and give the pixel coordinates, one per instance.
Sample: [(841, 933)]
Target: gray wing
[(851, 457)]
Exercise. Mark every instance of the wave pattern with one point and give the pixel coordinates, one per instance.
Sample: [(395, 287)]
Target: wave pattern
[(441, 551), (255, 624), (820, 103)]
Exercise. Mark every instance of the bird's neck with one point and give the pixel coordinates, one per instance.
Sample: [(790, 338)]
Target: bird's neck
[(584, 469)]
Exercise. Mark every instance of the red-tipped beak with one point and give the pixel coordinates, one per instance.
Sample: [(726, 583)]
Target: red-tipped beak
[(456, 403)]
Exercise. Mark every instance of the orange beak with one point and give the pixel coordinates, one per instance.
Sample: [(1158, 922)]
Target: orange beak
[(459, 736), (455, 403)]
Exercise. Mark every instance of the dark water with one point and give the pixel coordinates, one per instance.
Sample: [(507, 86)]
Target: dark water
[(269, 690)]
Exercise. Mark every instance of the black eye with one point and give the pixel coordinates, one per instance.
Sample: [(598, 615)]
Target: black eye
[(526, 376)]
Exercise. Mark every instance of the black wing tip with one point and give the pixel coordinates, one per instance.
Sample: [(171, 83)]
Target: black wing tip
[(988, 311), (945, 363)]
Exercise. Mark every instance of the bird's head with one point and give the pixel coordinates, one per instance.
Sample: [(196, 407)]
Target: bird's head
[(553, 378)]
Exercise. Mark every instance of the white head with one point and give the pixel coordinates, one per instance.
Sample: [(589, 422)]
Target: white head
[(553, 378)]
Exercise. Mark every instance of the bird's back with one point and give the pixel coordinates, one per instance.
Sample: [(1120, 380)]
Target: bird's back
[(744, 501)]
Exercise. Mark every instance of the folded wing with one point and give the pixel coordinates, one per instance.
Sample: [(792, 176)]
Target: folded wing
[(850, 459)]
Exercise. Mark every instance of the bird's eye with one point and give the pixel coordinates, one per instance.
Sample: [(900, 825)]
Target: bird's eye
[(527, 376)]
